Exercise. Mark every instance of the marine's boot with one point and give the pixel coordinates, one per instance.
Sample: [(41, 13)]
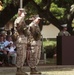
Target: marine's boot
[(23, 72), (37, 72), (20, 72), (34, 71)]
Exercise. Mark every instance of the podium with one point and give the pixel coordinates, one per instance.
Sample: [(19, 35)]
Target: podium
[(65, 50)]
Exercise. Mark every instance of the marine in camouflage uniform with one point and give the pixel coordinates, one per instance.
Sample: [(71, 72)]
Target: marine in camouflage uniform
[(64, 31), (21, 43), (34, 53)]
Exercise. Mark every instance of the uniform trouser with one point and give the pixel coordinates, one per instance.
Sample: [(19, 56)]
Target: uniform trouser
[(34, 55), (21, 55), (13, 56)]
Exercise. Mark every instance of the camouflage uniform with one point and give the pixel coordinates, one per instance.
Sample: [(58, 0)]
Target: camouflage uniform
[(35, 52), (21, 44), (64, 33)]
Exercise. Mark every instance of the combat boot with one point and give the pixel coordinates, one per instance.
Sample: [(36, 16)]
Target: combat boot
[(23, 72), (37, 71), (20, 72), (34, 71)]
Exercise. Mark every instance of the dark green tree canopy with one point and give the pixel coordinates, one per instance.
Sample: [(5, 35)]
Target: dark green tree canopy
[(56, 12)]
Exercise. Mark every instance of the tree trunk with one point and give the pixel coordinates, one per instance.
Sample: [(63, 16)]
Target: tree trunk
[(48, 15), (12, 9), (9, 12)]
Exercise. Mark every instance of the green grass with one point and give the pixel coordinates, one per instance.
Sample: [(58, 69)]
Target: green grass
[(51, 61)]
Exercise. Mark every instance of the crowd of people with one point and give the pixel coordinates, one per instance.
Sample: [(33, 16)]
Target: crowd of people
[(7, 50)]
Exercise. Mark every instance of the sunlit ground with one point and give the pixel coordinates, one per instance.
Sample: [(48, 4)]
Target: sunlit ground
[(45, 70), (58, 73)]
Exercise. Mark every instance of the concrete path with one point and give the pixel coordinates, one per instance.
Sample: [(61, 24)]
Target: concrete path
[(46, 70)]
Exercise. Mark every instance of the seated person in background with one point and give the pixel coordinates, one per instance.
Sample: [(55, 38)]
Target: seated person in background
[(11, 49), (3, 52), (64, 31), (12, 53)]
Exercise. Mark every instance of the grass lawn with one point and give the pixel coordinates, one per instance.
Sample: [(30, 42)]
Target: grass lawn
[(51, 61)]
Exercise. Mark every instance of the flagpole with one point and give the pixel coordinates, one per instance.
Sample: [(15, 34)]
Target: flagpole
[(21, 3)]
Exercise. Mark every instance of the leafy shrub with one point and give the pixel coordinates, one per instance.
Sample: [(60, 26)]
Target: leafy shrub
[(49, 47), (50, 50)]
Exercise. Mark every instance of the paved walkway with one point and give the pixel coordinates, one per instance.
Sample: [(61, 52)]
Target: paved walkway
[(46, 70)]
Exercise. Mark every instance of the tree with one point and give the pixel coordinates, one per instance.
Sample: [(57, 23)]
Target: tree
[(43, 8), (9, 11), (51, 18)]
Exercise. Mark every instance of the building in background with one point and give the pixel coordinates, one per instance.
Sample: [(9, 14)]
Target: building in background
[(49, 31)]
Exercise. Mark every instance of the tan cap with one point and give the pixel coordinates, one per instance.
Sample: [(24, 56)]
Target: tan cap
[(37, 19), (23, 10)]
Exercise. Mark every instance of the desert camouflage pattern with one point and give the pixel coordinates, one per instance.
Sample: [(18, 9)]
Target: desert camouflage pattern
[(21, 44), (33, 54)]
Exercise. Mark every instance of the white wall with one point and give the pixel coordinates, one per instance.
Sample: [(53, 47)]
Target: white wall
[(49, 31)]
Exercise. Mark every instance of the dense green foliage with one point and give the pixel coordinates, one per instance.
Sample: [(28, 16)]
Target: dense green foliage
[(58, 12), (6, 2), (49, 47), (57, 7), (38, 1), (31, 10), (49, 43)]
